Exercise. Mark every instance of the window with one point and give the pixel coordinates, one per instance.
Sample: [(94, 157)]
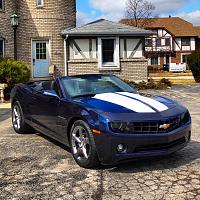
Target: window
[(158, 42), (154, 60), (185, 58), (185, 41), (148, 42), (96, 84), (40, 3), (108, 52), (167, 42), (41, 50), (1, 4), (1, 48)]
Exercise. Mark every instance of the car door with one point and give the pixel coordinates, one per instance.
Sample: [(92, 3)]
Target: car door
[(51, 116), (43, 108)]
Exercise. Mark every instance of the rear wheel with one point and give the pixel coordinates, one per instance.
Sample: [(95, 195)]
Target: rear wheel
[(83, 146), (19, 125)]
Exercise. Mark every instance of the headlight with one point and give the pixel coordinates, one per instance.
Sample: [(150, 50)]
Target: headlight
[(185, 117), (118, 126)]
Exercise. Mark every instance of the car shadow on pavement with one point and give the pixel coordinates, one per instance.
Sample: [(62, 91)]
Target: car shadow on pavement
[(66, 148), (5, 113), (183, 157)]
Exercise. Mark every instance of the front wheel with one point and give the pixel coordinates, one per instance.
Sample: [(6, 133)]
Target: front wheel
[(83, 146), (18, 121)]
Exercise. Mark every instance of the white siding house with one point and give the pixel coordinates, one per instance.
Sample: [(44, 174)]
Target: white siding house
[(107, 47)]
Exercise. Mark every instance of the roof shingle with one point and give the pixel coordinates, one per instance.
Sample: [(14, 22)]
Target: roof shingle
[(105, 27), (175, 25)]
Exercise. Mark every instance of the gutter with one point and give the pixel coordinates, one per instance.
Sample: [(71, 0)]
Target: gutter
[(66, 56)]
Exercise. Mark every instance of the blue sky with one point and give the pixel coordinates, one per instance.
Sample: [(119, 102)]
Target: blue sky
[(88, 10)]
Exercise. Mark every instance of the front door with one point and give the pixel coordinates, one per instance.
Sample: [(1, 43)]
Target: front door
[(41, 59), (167, 59)]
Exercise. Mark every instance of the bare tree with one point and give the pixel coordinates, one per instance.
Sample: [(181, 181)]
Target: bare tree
[(140, 11)]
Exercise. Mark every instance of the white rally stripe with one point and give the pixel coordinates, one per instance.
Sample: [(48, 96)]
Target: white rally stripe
[(153, 103), (126, 102)]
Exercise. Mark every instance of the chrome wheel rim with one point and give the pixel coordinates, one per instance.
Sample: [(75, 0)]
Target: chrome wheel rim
[(80, 143), (16, 117)]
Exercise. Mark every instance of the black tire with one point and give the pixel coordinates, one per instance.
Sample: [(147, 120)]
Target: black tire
[(91, 160), (21, 126)]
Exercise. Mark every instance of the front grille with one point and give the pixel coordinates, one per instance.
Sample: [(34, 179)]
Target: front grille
[(156, 127), (157, 147)]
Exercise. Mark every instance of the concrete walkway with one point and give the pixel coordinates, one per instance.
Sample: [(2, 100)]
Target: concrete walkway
[(5, 105), (5, 111), (173, 77)]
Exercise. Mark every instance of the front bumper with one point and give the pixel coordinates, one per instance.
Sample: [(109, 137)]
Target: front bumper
[(140, 145)]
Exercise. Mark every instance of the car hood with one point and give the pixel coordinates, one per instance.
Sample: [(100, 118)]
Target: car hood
[(126, 104)]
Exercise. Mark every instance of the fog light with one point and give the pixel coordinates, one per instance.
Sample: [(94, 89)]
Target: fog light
[(121, 148)]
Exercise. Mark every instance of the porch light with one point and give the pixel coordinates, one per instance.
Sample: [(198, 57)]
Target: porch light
[(14, 20)]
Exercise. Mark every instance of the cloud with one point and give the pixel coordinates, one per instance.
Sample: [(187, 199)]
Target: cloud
[(83, 18), (110, 9), (193, 17), (169, 7), (115, 9)]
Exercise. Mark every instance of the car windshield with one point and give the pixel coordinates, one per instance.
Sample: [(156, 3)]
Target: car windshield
[(89, 85)]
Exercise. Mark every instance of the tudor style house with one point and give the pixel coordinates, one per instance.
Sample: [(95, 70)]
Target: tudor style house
[(173, 40), (103, 46), (39, 42)]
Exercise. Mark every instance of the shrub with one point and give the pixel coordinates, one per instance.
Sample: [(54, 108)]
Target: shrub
[(166, 82), (194, 64), (13, 71), (160, 85)]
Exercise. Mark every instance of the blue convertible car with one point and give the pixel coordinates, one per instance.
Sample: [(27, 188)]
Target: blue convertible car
[(101, 118)]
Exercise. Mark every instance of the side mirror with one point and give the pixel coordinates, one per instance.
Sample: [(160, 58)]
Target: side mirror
[(50, 93)]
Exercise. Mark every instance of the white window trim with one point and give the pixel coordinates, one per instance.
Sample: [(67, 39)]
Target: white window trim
[(42, 1), (170, 58), (158, 61), (116, 64), (3, 46), (182, 54)]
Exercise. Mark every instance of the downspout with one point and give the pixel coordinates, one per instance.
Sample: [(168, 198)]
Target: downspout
[(66, 55)]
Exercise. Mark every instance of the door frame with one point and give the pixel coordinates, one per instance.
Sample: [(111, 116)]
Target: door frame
[(170, 58), (34, 40)]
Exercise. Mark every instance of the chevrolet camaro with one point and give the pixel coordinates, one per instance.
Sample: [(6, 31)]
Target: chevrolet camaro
[(101, 118)]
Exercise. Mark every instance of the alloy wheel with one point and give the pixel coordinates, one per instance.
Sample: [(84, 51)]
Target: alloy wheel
[(16, 117), (80, 143)]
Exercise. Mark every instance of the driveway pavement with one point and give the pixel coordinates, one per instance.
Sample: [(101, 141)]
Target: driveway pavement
[(35, 167)]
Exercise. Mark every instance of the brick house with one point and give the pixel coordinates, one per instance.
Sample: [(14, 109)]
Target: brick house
[(103, 46), (173, 40), (39, 40)]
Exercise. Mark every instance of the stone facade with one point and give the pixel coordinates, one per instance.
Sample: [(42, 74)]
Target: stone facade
[(131, 69), (38, 23), (6, 30)]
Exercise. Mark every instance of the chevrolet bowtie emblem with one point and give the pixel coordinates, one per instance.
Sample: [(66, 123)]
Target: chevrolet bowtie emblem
[(164, 126)]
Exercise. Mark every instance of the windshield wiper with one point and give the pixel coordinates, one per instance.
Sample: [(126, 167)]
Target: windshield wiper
[(84, 95)]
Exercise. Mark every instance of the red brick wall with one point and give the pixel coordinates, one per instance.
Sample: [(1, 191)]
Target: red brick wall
[(176, 57)]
